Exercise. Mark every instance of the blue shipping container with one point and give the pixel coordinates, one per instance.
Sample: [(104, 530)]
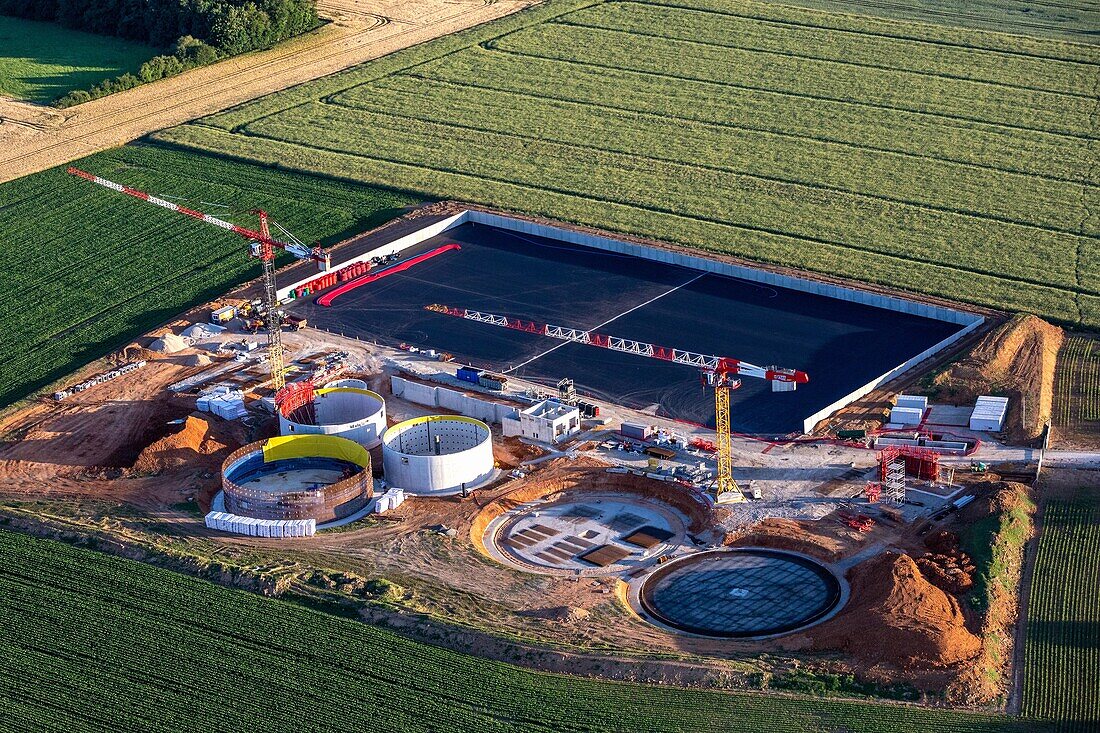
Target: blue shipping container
[(467, 374)]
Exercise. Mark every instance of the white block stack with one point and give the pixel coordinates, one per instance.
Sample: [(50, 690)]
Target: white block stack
[(226, 522), (989, 413)]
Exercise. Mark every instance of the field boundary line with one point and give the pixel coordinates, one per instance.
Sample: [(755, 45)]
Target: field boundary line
[(820, 59), (842, 248), (720, 125), (801, 95), (734, 171)]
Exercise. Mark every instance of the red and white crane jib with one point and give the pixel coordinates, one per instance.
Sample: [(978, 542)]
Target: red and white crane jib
[(298, 250), (705, 362)]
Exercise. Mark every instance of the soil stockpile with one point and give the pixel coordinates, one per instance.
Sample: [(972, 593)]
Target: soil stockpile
[(1016, 359), (179, 449), (897, 619), (793, 535), (169, 343)]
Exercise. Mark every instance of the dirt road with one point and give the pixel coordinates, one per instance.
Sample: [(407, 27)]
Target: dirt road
[(35, 138)]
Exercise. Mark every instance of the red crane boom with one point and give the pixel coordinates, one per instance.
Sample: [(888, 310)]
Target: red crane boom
[(263, 248), (706, 362)]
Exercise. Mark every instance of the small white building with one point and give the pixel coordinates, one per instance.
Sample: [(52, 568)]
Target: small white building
[(549, 421), (989, 413)]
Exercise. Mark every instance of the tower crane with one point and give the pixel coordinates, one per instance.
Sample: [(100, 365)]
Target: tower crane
[(262, 246), (719, 372)]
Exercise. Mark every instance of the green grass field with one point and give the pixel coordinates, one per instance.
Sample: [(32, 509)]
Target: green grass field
[(953, 162), (40, 62), (88, 269), (93, 642), (1074, 20), (1062, 649)]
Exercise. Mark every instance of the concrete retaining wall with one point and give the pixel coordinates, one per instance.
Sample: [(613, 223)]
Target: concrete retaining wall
[(397, 245), (451, 400), (970, 321)]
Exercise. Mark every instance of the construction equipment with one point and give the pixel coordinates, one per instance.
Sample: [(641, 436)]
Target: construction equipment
[(858, 522), (719, 372), (978, 467), (262, 246)]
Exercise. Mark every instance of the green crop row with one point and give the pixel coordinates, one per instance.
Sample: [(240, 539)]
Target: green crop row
[(1077, 399), (1062, 648), (766, 30), (94, 642), (89, 268), (887, 152)]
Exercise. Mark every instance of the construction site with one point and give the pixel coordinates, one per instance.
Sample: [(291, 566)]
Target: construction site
[(555, 434)]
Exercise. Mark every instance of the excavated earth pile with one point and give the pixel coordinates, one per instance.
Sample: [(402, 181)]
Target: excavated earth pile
[(897, 619), (793, 535), (186, 447), (1016, 359)]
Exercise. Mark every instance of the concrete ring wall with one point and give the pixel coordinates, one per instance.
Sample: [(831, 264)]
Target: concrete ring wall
[(327, 504), (350, 412), (465, 454)]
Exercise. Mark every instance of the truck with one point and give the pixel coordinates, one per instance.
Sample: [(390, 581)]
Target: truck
[(222, 316), (294, 323)]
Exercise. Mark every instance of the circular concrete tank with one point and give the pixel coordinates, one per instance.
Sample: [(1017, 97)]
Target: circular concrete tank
[(345, 409), (438, 454), (320, 477)]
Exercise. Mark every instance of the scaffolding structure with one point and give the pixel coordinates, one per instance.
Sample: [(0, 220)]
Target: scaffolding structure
[(892, 473)]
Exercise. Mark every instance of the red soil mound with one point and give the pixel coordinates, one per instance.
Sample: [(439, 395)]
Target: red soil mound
[(897, 618), (179, 449)]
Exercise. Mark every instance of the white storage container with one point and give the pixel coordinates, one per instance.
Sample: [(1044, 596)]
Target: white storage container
[(909, 400), (906, 415)]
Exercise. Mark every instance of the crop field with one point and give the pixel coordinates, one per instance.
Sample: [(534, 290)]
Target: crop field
[(87, 269), (945, 161), (1075, 20), (1062, 650), (1077, 387), (39, 62), (93, 642)]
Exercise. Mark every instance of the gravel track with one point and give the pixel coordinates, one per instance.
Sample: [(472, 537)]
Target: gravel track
[(359, 30)]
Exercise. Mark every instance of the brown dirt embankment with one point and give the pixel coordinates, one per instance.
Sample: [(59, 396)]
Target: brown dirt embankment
[(895, 620), (562, 474), (195, 439), (808, 538), (1017, 359)]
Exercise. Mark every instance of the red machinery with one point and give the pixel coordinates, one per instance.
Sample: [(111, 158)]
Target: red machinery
[(873, 491), (922, 463)]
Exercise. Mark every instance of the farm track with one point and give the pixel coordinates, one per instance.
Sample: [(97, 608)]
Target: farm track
[(356, 34)]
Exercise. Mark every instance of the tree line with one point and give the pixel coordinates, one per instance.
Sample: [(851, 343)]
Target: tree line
[(198, 31)]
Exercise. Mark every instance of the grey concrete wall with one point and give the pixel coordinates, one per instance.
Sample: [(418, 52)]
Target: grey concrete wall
[(395, 246), (451, 400), (706, 264)]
